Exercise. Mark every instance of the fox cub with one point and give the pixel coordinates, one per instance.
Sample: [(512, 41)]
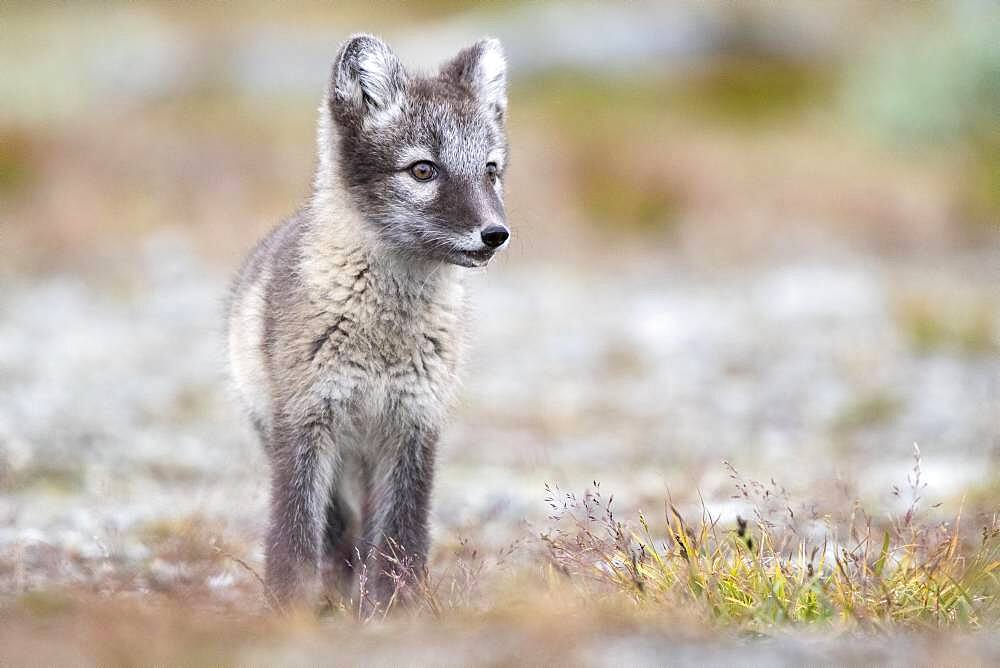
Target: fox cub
[(345, 322)]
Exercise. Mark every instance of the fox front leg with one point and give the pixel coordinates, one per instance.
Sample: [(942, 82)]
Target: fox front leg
[(396, 536), (302, 463)]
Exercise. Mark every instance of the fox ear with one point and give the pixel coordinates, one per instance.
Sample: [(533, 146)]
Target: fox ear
[(483, 69), (368, 75)]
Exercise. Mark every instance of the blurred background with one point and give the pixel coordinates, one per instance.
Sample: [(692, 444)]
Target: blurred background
[(765, 234)]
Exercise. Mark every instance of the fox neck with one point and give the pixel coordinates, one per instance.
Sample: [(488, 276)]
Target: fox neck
[(340, 239)]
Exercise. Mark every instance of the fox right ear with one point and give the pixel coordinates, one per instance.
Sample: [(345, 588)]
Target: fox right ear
[(367, 74), (482, 68)]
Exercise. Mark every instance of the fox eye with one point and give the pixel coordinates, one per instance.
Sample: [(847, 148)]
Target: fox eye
[(491, 172), (423, 170)]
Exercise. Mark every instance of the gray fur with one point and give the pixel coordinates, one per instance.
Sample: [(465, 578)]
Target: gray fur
[(345, 323)]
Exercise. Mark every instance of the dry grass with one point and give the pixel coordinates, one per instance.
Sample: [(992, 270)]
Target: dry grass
[(588, 579), (857, 575)]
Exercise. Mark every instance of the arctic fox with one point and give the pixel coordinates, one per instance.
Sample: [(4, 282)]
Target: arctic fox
[(345, 323)]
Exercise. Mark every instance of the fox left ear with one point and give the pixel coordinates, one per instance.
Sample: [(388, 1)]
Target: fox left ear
[(367, 74), (483, 69)]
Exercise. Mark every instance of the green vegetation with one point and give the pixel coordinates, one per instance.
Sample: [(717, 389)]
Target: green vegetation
[(939, 88), (758, 576), (980, 195), (15, 168), (51, 478), (618, 195), (753, 90), (931, 326), (746, 91), (615, 128), (867, 410), (46, 603)]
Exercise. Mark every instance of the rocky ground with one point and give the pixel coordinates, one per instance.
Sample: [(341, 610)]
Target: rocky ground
[(124, 457)]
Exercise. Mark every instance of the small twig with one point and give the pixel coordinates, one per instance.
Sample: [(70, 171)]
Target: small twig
[(268, 597)]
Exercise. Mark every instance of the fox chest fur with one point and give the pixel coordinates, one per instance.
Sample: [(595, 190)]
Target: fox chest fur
[(386, 350), (344, 337)]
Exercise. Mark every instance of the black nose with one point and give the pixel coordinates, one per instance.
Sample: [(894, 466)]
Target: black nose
[(495, 235)]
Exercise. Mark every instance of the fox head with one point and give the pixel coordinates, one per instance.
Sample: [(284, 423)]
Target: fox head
[(422, 158)]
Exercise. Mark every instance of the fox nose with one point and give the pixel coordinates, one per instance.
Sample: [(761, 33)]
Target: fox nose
[(494, 235)]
